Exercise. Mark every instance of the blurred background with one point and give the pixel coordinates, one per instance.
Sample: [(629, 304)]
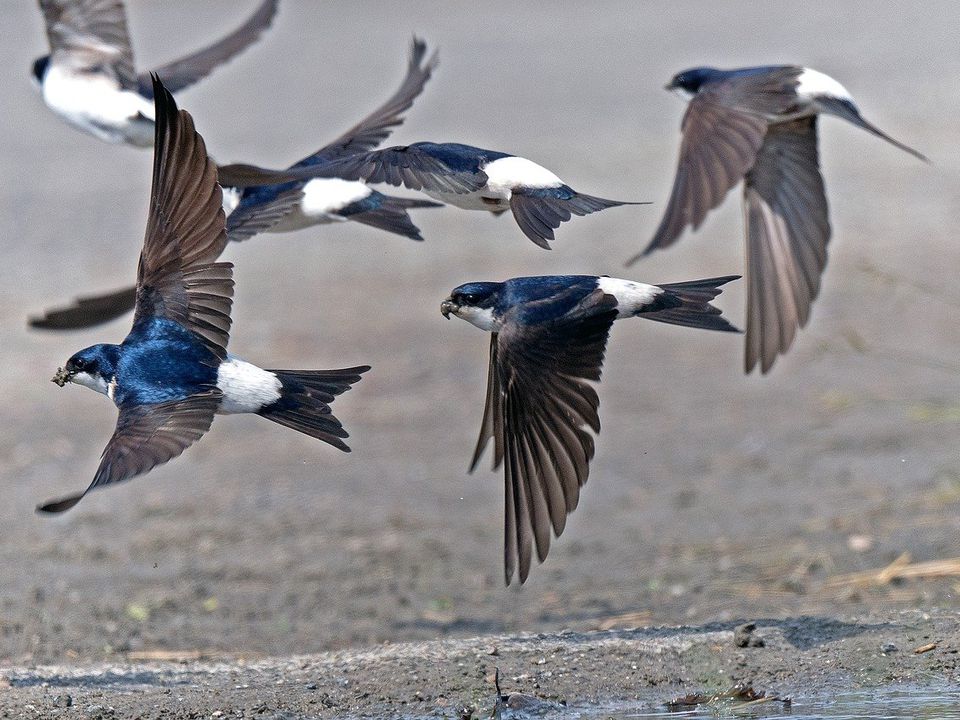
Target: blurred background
[(712, 496)]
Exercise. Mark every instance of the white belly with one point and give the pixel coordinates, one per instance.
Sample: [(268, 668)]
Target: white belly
[(96, 104), (322, 198), (245, 387), (483, 199)]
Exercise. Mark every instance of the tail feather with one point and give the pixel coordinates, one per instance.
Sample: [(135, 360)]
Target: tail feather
[(688, 304), (540, 211), (392, 216), (305, 398)]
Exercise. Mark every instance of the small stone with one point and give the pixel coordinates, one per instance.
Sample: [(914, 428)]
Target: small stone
[(311, 686), (62, 701), (888, 647), (743, 636)]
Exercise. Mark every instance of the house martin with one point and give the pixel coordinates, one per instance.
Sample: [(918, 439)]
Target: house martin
[(89, 79), (548, 338), (325, 200), (472, 178), (760, 125), (172, 372), (261, 200)]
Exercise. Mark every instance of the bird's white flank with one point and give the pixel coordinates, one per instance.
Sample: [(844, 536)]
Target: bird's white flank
[(813, 84), (631, 296), (231, 198), (245, 387), (510, 172)]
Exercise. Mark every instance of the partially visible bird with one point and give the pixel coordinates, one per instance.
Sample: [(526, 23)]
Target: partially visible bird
[(325, 200), (476, 179), (759, 125), (548, 339), (89, 78), (172, 372), (260, 200)]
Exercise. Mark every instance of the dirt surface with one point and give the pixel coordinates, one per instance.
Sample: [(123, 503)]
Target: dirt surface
[(714, 497), (545, 674)]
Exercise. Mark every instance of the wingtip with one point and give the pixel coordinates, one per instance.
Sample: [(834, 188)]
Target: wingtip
[(55, 507)]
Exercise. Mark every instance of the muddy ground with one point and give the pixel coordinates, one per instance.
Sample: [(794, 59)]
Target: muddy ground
[(714, 497)]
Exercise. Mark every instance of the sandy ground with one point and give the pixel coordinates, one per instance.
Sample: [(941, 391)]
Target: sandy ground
[(714, 497)]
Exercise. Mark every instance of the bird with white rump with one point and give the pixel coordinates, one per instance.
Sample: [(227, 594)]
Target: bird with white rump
[(759, 125), (172, 372), (548, 339), (472, 178), (89, 78)]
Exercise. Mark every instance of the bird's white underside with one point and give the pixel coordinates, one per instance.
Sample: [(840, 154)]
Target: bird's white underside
[(245, 387), (96, 104), (503, 175), (631, 296)]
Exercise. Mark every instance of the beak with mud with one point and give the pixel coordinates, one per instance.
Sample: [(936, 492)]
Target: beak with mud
[(448, 306), (62, 377)]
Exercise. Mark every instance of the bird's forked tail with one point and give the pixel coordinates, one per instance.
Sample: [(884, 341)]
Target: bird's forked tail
[(304, 404), (688, 304)]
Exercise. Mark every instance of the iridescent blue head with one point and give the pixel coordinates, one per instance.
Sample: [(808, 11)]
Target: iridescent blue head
[(95, 367), (693, 79), (40, 66), (475, 303)]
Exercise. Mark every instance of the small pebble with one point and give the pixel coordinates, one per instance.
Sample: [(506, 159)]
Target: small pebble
[(888, 648)]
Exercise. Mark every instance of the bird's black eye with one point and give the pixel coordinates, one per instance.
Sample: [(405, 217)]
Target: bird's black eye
[(468, 297)]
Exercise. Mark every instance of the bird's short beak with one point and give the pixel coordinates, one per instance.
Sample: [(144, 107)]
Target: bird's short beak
[(448, 306), (62, 377), (670, 86)]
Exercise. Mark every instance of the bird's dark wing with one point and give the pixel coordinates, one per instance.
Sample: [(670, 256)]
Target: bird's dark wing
[(187, 70), (244, 175), (787, 233), (178, 278), (252, 219), (87, 311), (539, 403), (719, 145), (407, 165), (377, 126), (90, 33), (147, 436)]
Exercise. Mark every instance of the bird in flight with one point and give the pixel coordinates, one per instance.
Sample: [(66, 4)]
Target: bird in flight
[(759, 125), (172, 372), (89, 78), (472, 178), (548, 339), (259, 200)]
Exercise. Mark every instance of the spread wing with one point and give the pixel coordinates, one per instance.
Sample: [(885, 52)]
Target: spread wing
[(187, 70), (722, 132), (787, 233), (177, 278), (539, 404), (251, 219), (407, 165), (88, 33), (87, 311), (376, 127), (147, 436)]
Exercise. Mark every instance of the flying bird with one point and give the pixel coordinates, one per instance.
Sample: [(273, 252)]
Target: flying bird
[(172, 372), (260, 200), (759, 125), (325, 200), (472, 178), (548, 338), (89, 78)]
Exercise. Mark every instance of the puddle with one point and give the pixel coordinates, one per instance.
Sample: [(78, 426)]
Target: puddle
[(883, 703)]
